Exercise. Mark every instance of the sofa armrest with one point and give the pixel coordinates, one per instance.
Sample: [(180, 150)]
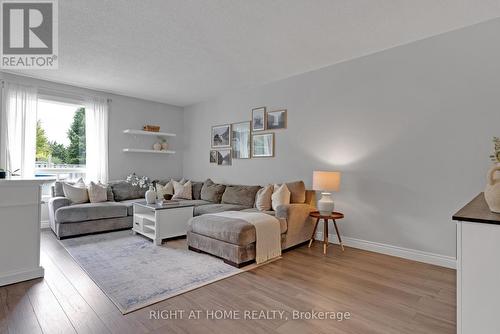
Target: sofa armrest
[(293, 211), (56, 203), (299, 223)]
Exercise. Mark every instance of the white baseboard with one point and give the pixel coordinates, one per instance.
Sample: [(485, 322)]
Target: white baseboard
[(406, 253), (21, 276), (44, 224)]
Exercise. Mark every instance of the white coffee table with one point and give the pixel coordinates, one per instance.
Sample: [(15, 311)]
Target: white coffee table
[(158, 222)]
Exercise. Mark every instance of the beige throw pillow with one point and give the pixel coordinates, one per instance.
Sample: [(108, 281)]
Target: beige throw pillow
[(281, 196), (97, 192), (263, 198), (76, 193), (167, 189), (183, 191)]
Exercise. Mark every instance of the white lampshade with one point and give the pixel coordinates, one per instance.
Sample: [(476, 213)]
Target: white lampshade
[(326, 181)]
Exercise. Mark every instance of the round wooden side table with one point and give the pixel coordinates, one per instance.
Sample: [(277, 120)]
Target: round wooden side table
[(333, 216)]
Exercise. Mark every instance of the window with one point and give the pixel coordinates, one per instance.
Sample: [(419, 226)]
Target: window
[(60, 139)]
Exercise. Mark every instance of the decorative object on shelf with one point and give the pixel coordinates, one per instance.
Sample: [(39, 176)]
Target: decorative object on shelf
[(326, 182), (259, 119), (151, 195), (221, 136), (151, 128), (3, 174), (224, 157), (164, 144), (276, 119), (141, 182), (241, 140), (263, 145), (157, 146), (495, 157), (213, 156)]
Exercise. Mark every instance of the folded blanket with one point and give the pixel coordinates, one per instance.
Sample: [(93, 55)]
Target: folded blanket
[(267, 233)]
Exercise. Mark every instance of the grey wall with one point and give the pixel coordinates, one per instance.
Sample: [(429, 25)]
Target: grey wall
[(127, 113), (410, 128)]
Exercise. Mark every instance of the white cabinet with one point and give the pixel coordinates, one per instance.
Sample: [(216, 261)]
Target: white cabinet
[(478, 269), (20, 226)]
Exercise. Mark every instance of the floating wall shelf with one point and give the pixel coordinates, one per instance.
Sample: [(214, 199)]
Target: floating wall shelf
[(148, 133), (138, 150)]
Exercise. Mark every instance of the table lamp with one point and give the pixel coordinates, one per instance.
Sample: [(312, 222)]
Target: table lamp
[(326, 182)]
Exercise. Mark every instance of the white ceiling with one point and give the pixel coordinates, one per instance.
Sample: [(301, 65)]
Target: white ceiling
[(184, 51)]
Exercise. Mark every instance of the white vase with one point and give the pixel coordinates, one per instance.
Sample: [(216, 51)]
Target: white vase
[(164, 146), (157, 147), (492, 191), (151, 195)]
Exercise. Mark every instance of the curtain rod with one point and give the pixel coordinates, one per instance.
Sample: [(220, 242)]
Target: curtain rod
[(49, 89)]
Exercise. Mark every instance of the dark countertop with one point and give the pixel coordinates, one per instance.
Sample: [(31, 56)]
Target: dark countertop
[(477, 211)]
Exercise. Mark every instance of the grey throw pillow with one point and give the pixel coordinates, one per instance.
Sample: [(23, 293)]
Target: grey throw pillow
[(212, 192), (122, 191), (197, 189), (241, 195)]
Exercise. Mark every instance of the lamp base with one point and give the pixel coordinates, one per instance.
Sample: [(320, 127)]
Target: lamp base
[(325, 204)]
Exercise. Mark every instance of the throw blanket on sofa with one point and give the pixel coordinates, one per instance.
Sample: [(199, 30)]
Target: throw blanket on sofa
[(267, 233)]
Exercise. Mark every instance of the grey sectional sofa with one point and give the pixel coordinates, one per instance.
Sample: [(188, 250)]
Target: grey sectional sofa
[(235, 243)]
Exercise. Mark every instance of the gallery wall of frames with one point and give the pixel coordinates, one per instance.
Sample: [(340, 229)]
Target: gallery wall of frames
[(248, 139)]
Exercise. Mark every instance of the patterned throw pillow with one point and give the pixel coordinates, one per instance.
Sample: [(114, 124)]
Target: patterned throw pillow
[(281, 196), (182, 191), (97, 192)]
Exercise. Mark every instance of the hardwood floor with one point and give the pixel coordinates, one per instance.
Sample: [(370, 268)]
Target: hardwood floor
[(383, 294)]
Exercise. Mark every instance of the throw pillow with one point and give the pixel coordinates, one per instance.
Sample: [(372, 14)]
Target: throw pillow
[(183, 191), (76, 193), (298, 191), (240, 195), (97, 192), (197, 189), (212, 192), (167, 189), (263, 198), (280, 196)]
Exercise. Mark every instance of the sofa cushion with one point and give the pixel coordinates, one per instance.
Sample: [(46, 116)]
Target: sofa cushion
[(211, 191), (241, 195), (234, 231), (297, 191), (122, 190), (214, 208), (90, 211)]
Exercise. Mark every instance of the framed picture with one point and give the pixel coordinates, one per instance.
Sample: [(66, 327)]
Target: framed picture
[(263, 145), (276, 119), (224, 157), (240, 137), (221, 136), (213, 156), (259, 119)]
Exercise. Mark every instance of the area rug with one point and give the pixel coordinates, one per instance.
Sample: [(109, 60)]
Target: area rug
[(134, 273)]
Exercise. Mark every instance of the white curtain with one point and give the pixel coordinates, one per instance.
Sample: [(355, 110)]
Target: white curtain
[(18, 142), (96, 134)]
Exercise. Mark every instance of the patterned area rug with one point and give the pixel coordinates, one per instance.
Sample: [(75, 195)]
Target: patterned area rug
[(134, 273)]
